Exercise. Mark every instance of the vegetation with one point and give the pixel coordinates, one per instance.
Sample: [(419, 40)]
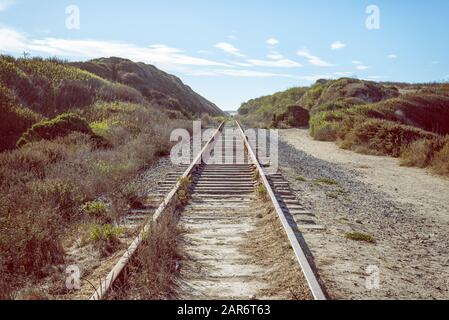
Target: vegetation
[(155, 271), (14, 120), (262, 192), (395, 119), (183, 193), (97, 210), (153, 84), (60, 126), (106, 238), (295, 116), (259, 112), (358, 236), (83, 137)]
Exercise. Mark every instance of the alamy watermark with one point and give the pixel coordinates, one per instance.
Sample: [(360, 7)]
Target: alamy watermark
[(373, 20), (73, 279), (372, 281), (73, 19)]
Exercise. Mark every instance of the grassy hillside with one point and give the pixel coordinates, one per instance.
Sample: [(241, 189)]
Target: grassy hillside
[(34, 89), (74, 142), (155, 85), (410, 121), (259, 112)]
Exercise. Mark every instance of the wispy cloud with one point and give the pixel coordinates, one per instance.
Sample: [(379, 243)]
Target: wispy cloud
[(344, 74), (232, 37), (375, 77), (158, 54), (280, 63), (272, 41), (243, 73), (275, 55), (359, 65), (337, 45), (362, 67), (314, 60), (392, 56), (229, 48), (5, 4)]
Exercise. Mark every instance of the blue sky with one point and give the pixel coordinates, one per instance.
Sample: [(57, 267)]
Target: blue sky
[(232, 51)]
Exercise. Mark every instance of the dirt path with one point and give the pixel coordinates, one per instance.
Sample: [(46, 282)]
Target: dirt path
[(405, 210), (429, 193)]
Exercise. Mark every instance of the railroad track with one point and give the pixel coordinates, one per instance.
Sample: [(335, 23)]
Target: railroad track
[(219, 214)]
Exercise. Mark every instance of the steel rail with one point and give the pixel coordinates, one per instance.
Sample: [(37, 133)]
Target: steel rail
[(105, 286), (311, 278)]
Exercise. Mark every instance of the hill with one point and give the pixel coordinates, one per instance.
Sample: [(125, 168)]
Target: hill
[(155, 85), (35, 89), (410, 121), (71, 139), (260, 111)]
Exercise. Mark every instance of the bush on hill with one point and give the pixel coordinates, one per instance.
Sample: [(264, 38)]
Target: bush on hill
[(60, 126)]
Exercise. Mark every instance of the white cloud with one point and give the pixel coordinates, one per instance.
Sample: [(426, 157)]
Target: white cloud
[(158, 54), (337, 45), (274, 55), (392, 56), (243, 64), (229, 48), (362, 67), (5, 4), (272, 41), (344, 74), (316, 61), (258, 74), (281, 63), (232, 37), (359, 65), (375, 77)]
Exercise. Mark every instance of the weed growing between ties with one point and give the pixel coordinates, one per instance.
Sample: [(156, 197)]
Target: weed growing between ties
[(183, 193)]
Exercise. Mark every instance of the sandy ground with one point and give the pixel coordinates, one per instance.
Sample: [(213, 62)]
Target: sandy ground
[(429, 193), (406, 210)]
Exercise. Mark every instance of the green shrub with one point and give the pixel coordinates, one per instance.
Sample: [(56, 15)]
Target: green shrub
[(295, 116), (60, 126), (262, 192), (106, 238), (386, 137), (14, 120), (96, 209), (63, 196)]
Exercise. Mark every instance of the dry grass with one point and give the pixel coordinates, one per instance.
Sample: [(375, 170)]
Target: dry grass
[(45, 185), (359, 236), (156, 267), (268, 246), (432, 153), (440, 162)]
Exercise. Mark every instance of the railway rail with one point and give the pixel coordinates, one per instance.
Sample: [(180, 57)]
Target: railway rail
[(221, 194)]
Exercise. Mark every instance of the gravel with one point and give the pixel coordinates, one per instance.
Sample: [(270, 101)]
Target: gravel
[(410, 251)]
